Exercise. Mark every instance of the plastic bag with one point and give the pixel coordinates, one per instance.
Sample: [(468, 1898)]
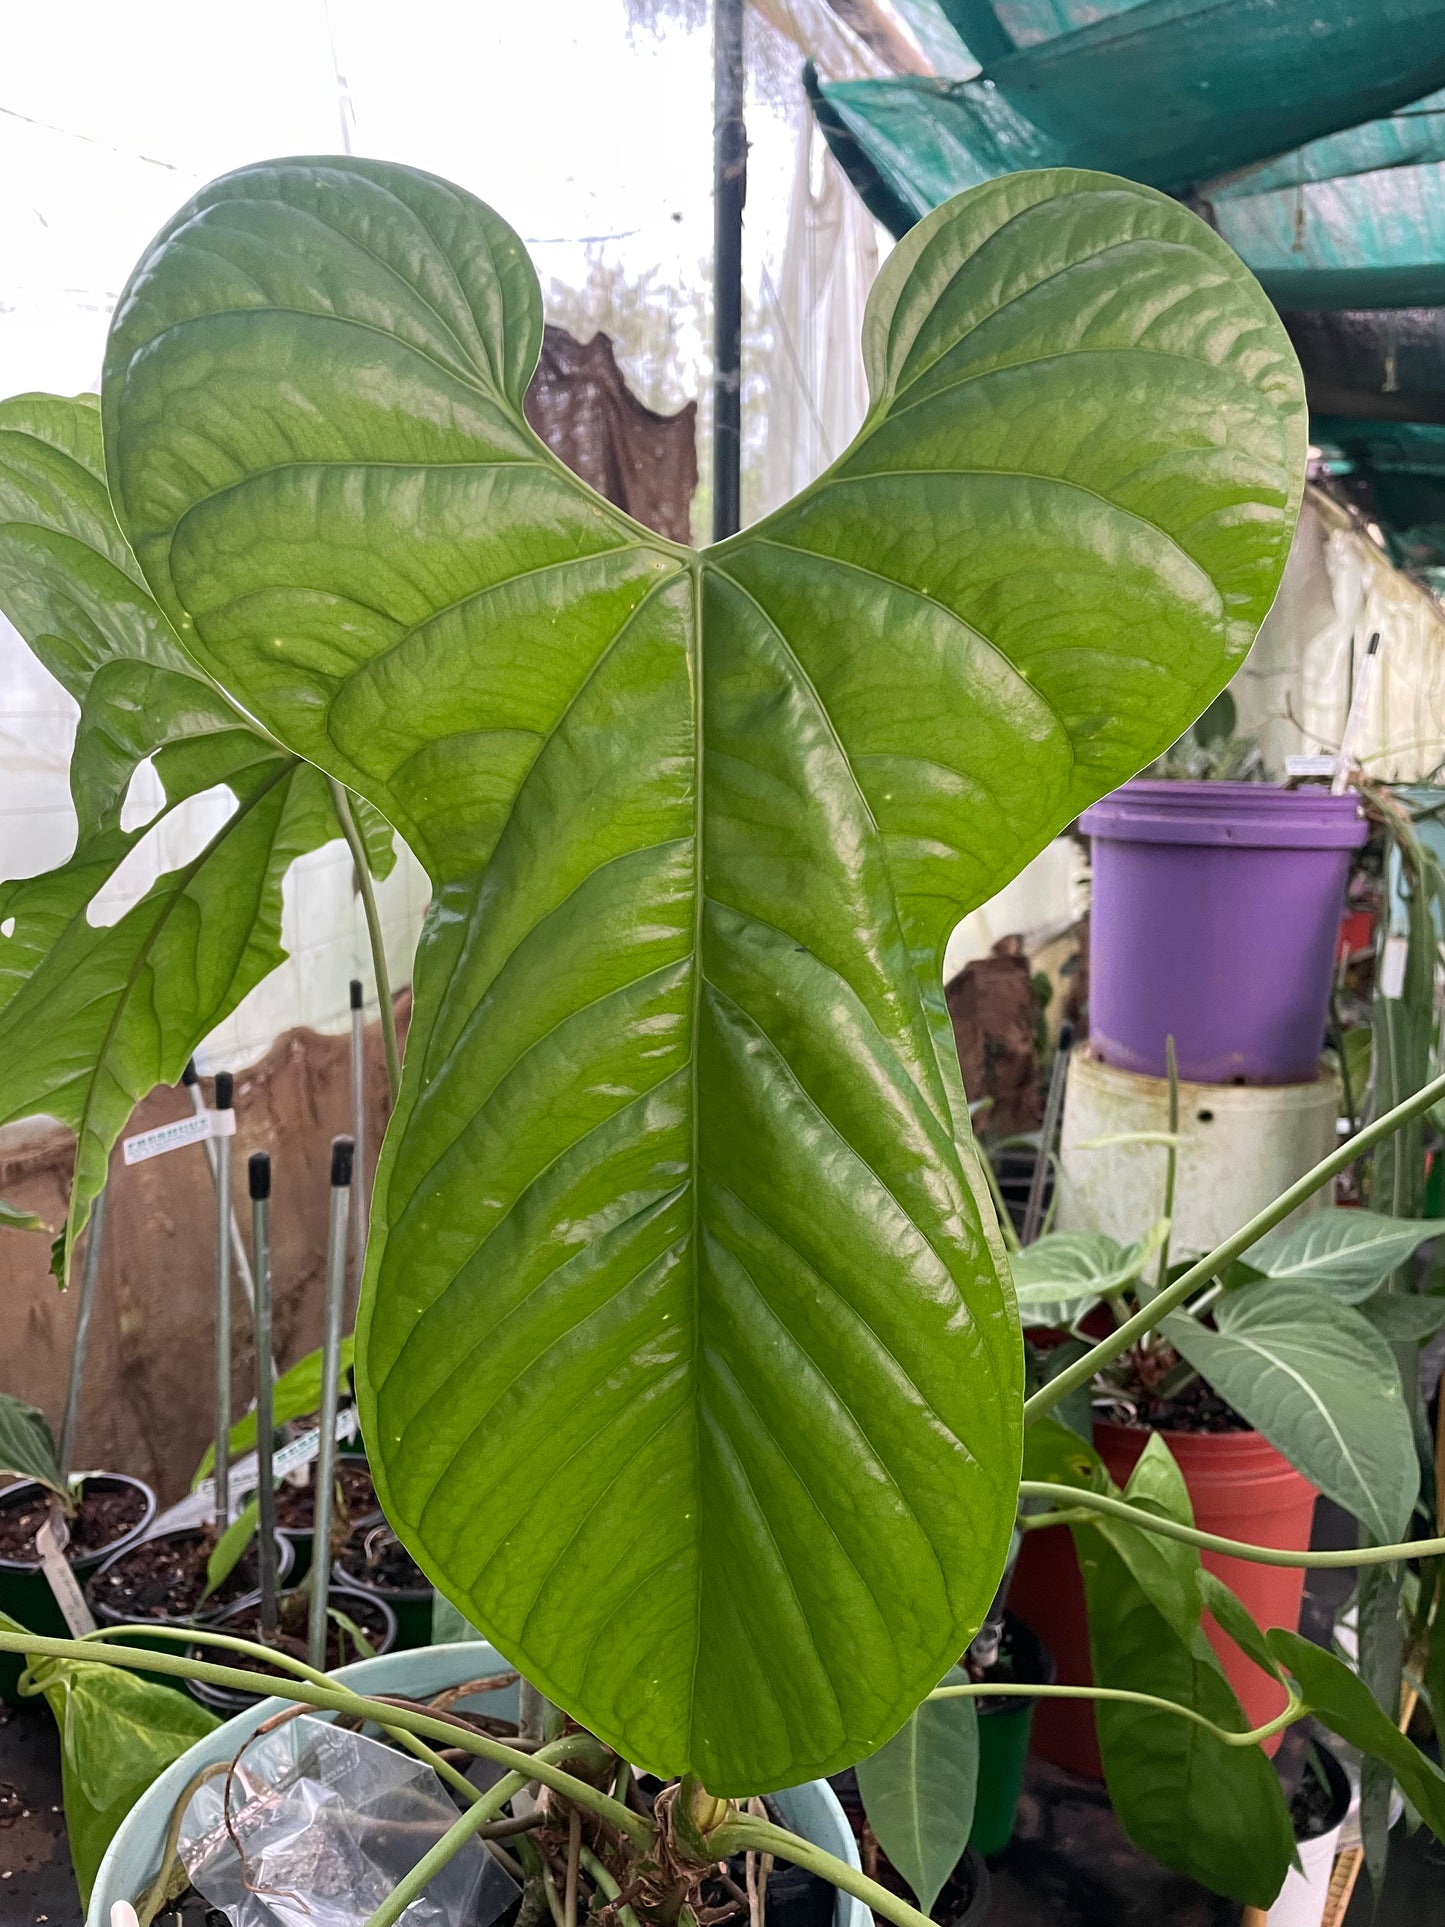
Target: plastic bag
[(326, 1823)]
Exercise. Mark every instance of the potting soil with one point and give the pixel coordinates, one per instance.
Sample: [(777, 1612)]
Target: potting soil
[(101, 1519)]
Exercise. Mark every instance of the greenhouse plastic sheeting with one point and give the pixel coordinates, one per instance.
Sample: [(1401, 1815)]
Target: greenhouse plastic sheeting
[(1409, 138), (1404, 466), (1372, 362)]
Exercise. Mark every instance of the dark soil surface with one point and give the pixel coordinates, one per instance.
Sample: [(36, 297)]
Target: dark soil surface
[(373, 1557), (164, 1578), (296, 1504), (1020, 1662), (340, 1647), (1196, 1409), (103, 1517)]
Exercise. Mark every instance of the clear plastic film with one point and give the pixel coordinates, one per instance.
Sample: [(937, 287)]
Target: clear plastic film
[(320, 1825)]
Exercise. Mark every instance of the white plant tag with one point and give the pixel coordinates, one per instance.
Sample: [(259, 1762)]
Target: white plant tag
[(1309, 765), (1392, 967), (53, 1563), (171, 1137), (200, 1505)]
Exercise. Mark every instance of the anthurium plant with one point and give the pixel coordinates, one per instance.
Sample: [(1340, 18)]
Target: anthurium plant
[(688, 1357)]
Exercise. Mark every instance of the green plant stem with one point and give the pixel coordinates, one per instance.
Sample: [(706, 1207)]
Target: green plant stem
[(743, 1834), (1022, 1689), (1001, 1212), (341, 802), (414, 1884), (231, 1643), (606, 1885), (1083, 1369), (333, 1697), (1076, 1505), (1171, 1165)]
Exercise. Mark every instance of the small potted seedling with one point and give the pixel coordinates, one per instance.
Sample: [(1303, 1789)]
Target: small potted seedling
[(95, 1513)]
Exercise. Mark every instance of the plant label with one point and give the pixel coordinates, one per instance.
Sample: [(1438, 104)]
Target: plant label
[(185, 1130), (53, 1563)]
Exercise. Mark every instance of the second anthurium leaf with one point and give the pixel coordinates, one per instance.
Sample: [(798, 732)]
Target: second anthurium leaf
[(97, 1007), (918, 1791), (1322, 1385), (679, 1249)]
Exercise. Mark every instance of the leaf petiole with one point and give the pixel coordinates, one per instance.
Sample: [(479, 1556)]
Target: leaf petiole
[(1022, 1689)]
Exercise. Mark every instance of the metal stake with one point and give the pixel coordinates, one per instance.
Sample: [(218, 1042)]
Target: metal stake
[(342, 1151), (240, 1265), (222, 1147), (1053, 1107), (729, 189), (90, 1271), (258, 1171), (358, 1132)]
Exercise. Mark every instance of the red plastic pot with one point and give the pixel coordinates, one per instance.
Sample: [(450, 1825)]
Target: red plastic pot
[(1241, 1488)]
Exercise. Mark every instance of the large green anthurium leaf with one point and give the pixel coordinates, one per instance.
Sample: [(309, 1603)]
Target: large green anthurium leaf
[(93, 1014), (918, 1790), (1347, 1253), (1322, 1385), (685, 1363)]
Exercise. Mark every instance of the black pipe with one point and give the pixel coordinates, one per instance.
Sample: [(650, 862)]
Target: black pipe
[(730, 183)]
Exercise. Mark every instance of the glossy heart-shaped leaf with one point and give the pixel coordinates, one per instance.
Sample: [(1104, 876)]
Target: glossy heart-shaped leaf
[(93, 1014), (1058, 1278), (685, 1361)]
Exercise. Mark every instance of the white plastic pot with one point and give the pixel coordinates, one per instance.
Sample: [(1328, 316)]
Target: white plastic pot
[(1240, 1146), (1306, 1889), (133, 1857)]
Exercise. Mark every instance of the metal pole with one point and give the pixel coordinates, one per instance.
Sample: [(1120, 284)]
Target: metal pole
[(223, 1310), (90, 1271), (729, 186), (342, 1150), (240, 1265), (358, 1132), (1053, 1109), (258, 1171)]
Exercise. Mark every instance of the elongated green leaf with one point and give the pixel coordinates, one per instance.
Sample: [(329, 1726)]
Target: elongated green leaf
[(1059, 1278), (1322, 1385), (226, 1553), (1405, 1318), (27, 1446), (1341, 1700), (118, 1733), (675, 1253), (14, 1218), (1347, 1253), (1208, 1810), (918, 1791), (1235, 1618), (296, 1392), (93, 1015)]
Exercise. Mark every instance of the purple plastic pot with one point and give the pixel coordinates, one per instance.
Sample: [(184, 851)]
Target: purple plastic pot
[(1216, 912)]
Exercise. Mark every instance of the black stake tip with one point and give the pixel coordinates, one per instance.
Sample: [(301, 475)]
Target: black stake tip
[(188, 1075), (356, 993), (343, 1149), (225, 1087), (258, 1171)]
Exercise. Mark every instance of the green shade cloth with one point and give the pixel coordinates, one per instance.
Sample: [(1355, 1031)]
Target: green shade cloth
[(1180, 93)]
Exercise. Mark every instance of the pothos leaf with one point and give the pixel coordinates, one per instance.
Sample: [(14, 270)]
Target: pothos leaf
[(118, 1733), (94, 1014), (675, 1250)]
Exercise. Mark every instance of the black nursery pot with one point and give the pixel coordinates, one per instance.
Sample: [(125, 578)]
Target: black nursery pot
[(392, 1575), (121, 1594), (965, 1898), (24, 1590), (371, 1614)]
